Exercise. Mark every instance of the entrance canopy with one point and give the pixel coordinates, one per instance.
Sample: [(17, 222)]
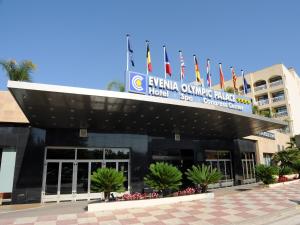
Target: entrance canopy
[(53, 106)]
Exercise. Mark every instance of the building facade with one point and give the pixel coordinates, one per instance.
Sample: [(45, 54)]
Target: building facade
[(59, 135), (275, 91)]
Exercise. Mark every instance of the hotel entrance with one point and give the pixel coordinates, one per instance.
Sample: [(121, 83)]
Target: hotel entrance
[(67, 171)]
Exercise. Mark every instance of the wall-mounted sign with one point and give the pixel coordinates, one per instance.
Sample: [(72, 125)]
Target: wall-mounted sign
[(160, 87)]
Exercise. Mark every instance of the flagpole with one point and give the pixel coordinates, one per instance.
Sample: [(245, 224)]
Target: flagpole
[(147, 42), (127, 52), (165, 61)]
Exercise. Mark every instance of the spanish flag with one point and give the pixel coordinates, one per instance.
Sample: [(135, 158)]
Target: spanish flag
[(197, 72), (149, 64)]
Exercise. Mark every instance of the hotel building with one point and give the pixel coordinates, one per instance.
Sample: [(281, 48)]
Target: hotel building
[(53, 137)]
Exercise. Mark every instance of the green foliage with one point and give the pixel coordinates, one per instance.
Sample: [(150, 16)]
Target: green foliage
[(18, 72), (286, 157), (203, 176), (285, 170), (116, 86), (265, 113), (266, 173), (296, 166), (255, 109), (229, 89), (107, 180), (292, 143), (163, 176)]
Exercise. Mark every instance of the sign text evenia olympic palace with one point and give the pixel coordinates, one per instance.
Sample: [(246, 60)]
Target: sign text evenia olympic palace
[(156, 86)]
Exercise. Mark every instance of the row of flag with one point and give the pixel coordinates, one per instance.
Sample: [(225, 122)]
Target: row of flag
[(168, 70)]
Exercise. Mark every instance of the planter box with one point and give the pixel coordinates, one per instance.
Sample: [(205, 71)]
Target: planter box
[(290, 176), (283, 183), (109, 206)]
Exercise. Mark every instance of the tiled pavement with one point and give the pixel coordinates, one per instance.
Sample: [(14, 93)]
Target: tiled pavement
[(226, 209)]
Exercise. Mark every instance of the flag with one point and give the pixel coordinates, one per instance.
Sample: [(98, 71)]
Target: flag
[(129, 53), (167, 63), (149, 64), (245, 84), (197, 72), (234, 78), (182, 66), (208, 74), (222, 82)]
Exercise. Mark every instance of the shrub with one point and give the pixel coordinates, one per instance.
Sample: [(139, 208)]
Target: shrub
[(162, 177), (286, 170), (203, 176), (296, 167), (139, 196), (107, 180), (266, 173)]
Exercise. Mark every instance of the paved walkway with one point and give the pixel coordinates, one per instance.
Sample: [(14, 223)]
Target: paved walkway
[(235, 208)]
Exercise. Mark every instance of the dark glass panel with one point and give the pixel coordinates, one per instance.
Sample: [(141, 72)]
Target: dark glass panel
[(52, 178), (94, 167), (111, 165), (222, 169), (224, 155), (82, 177), (117, 153), (123, 166), (89, 153), (228, 170), (211, 155), (60, 153), (0, 157), (66, 178)]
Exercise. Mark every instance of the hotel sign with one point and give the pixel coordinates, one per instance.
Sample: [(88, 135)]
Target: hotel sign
[(166, 88)]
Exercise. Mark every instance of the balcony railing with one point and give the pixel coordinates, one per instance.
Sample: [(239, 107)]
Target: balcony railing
[(276, 83), (261, 87), (278, 98), (280, 114), (263, 102)]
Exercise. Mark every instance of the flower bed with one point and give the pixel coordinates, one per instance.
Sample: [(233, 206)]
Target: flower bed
[(138, 200), (283, 183)]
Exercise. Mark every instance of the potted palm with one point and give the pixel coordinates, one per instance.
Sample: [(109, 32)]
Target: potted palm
[(203, 175), (107, 180)]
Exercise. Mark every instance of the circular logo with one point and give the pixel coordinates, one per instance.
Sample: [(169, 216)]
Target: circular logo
[(137, 82)]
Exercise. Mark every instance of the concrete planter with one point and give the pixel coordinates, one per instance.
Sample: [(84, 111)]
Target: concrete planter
[(283, 183), (109, 206)]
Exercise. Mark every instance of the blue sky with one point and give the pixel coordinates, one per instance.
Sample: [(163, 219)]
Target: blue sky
[(82, 43)]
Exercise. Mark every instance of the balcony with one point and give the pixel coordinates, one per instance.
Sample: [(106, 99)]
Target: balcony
[(261, 87), (280, 114), (263, 102), (278, 98), (276, 83)]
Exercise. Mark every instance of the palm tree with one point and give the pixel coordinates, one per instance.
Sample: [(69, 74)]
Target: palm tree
[(116, 86), (18, 71)]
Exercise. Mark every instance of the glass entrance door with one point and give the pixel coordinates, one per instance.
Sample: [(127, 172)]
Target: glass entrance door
[(67, 171)]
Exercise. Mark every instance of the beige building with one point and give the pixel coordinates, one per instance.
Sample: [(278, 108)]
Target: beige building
[(275, 92)]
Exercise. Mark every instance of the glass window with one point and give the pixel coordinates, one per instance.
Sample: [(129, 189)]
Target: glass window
[(60, 153), (94, 167), (89, 153), (116, 153), (267, 158), (224, 155), (211, 155)]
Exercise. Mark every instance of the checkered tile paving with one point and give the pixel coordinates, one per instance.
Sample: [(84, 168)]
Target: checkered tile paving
[(226, 209)]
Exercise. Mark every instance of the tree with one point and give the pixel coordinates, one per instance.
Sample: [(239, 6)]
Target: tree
[(266, 173), (255, 109), (229, 90), (286, 157), (116, 86), (291, 144), (107, 180), (203, 176), (18, 71), (163, 176)]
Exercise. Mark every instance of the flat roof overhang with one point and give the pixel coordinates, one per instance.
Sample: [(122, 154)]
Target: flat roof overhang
[(53, 106)]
